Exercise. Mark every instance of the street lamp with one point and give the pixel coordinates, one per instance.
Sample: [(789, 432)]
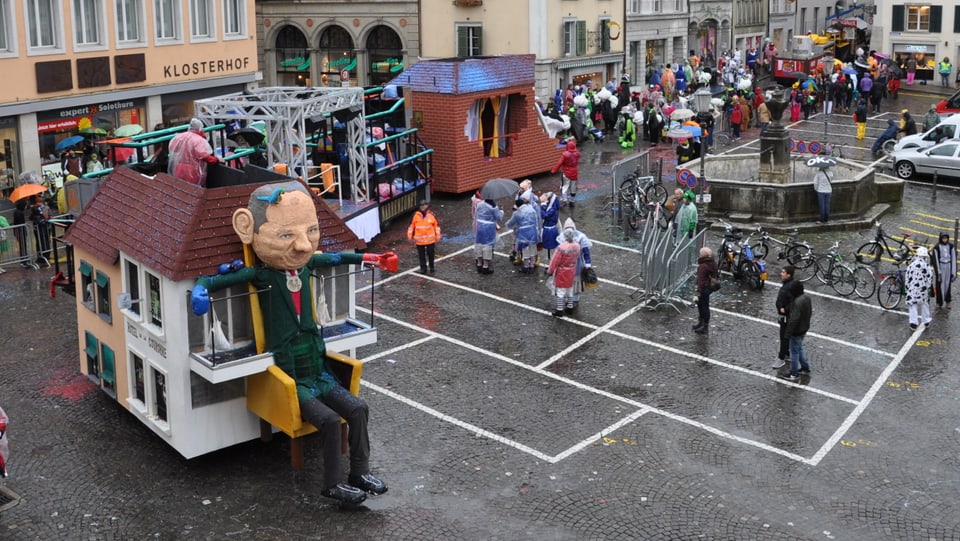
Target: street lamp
[(702, 98)]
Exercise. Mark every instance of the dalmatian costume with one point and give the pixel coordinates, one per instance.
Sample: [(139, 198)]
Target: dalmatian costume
[(918, 279)]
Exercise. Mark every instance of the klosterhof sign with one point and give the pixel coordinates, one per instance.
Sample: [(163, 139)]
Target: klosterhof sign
[(213, 66)]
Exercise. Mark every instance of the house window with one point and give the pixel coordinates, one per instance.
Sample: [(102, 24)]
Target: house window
[(491, 123), (86, 22), (635, 6), (133, 286), (92, 350), (657, 6), (231, 310), (103, 295), (678, 6), (86, 285), (918, 18), (138, 390), (816, 19), (201, 19), (159, 409), (167, 19), (469, 40), (42, 20), (8, 37), (107, 374), (129, 21), (234, 18), (154, 293), (569, 37), (604, 35)]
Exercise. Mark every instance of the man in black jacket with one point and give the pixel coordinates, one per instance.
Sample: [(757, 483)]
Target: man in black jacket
[(798, 323), (784, 298)]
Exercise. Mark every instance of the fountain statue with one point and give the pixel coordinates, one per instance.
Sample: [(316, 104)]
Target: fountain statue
[(775, 142)]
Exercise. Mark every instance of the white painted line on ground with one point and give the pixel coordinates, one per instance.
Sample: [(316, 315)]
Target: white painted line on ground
[(599, 435), (867, 398), (397, 349), (457, 422), (557, 356)]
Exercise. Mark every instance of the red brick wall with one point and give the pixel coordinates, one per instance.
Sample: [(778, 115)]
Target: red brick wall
[(458, 164)]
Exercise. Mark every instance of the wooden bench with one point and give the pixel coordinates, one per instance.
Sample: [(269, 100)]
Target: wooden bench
[(272, 396)]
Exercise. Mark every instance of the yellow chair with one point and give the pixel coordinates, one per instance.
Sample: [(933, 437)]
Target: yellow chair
[(272, 396)]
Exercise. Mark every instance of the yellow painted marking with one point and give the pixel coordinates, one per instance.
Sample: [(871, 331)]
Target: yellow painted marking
[(868, 443), (846, 443), (935, 217), (609, 441), (923, 343), (917, 232), (893, 384), (934, 226)]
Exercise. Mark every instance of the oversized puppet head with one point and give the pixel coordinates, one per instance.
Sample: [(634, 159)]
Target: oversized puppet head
[(280, 223)]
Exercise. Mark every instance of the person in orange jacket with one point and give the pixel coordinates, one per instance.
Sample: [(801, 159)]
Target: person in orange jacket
[(424, 231)]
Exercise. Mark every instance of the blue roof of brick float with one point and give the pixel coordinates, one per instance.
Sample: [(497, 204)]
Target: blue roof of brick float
[(466, 75)]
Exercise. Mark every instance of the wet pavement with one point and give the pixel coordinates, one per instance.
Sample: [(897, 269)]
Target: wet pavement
[(490, 419)]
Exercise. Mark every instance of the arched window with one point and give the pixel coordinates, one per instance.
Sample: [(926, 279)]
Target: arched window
[(336, 55), (293, 58), (386, 54)]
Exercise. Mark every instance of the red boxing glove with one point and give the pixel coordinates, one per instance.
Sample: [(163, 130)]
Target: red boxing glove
[(387, 261)]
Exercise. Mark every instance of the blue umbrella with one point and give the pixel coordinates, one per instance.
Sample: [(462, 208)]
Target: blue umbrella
[(849, 71), (68, 142), (695, 130)]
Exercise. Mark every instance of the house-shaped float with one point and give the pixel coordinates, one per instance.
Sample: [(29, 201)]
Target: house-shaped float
[(139, 246), (478, 115)]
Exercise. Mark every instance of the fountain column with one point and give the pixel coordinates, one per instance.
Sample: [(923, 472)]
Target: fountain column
[(775, 142)]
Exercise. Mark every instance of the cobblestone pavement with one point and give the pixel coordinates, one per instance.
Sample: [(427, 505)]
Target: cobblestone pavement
[(490, 419)]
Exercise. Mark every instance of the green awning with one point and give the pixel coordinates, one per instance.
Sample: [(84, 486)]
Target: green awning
[(93, 346), (102, 279), (304, 66), (291, 62), (85, 268), (107, 373)]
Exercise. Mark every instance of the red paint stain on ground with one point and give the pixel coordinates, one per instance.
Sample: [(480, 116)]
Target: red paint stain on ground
[(69, 385)]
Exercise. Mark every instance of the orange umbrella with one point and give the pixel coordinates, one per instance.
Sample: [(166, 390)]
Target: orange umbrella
[(27, 190)]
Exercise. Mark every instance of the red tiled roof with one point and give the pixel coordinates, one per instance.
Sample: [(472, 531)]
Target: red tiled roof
[(178, 229)]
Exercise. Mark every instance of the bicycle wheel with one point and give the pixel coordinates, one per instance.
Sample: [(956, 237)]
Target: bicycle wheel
[(805, 267), (635, 216), (870, 252), (841, 280), (824, 264), (626, 190), (889, 292), (796, 252), (657, 194), (750, 274), (760, 250), (865, 280)]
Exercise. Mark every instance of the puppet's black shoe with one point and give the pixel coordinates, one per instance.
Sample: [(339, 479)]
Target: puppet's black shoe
[(368, 483), (345, 493)]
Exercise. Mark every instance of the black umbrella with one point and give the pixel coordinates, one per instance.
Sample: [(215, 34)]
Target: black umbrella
[(252, 136), (498, 188)]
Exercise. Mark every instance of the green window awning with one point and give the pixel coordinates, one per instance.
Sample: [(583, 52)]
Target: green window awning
[(107, 373), (102, 279), (85, 268), (93, 345)]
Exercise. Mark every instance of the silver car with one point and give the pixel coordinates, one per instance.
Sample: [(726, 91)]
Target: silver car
[(942, 159)]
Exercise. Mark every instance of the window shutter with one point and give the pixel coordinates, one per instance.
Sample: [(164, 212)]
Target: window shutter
[(478, 32), (463, 42), (581, 38), (604, 37), (936, 15), (896, 21), (956, 19)]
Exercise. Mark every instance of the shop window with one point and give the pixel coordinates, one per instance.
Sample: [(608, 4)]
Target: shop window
[(91, 348), (138, 391), (132, 286), (234, 19), (469, 38), (156, 307), (103, 295), (336, 54), (87, 16), (8, 32), (43, 21), (293, 57), (107, 372), (166, 14), (86, 285), (201, 19), (129, 15), (384, 47)]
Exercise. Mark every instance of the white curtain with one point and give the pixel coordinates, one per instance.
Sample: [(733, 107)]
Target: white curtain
[(472, 128)]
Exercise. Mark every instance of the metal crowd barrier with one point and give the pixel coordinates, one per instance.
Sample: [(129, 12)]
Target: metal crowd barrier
[(32, 246), (667, 260)]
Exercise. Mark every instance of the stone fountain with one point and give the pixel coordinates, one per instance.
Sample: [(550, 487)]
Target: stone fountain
[(775, 187)]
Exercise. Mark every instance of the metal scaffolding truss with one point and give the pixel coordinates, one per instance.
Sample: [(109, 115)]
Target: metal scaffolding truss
[(285, 111)]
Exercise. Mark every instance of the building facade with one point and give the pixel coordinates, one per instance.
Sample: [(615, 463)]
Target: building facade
[(656, 35), (710, 29), (750, 19), (574, 42), (781, 23), (928, 31), (336, 43), (86, 68)]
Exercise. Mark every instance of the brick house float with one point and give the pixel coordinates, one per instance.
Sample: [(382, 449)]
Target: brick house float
[(139, 246), (477, 114)]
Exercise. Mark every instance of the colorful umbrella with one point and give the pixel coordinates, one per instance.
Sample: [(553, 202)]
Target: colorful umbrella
[(128, 130), (26, 190), (93, 131), (68, 142), (821, 162), (680, 133), (682, 114)]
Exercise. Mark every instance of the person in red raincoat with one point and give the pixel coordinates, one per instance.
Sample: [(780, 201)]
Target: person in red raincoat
[(190, 153), (569, 164), (563, 268)]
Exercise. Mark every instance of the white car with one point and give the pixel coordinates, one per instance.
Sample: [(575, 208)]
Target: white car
[(944, 159), (951, 130)]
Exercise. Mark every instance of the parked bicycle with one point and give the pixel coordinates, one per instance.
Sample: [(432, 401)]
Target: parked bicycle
[(871, 252), (892, 287), (737, 258), (791, 249), (640, 194), (866, 281), (829, 269)]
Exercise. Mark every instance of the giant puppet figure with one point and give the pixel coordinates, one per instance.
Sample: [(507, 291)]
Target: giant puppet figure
[(280, 223)]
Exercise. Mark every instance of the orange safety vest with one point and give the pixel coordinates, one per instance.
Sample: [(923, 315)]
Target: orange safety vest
[(424, 228)]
